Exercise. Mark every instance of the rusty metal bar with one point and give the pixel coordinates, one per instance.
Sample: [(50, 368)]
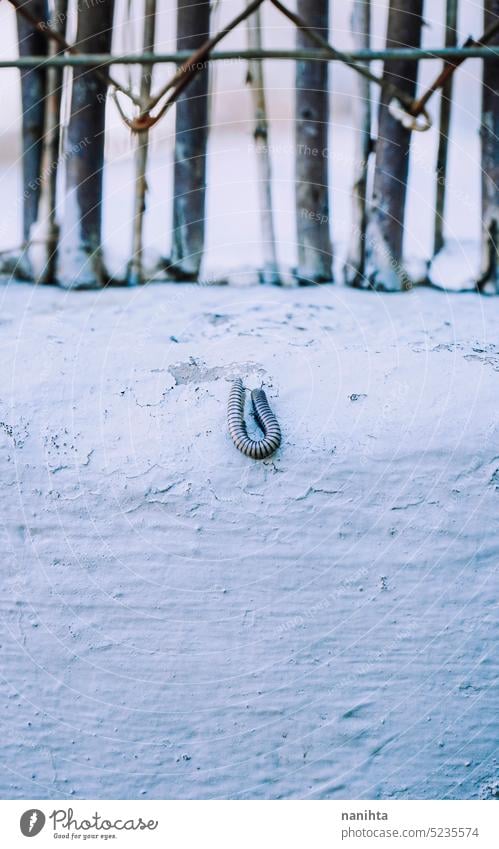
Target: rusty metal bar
[(405, 53)]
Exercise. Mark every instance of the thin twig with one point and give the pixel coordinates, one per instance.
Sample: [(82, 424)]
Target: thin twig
[(449, 68), (135, 271), (362, 112), (184, 75)]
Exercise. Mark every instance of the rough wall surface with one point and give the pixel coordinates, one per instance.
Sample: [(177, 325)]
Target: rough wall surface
[(180, 621)]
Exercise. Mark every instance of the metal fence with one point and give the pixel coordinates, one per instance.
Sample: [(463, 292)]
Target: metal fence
[(411, 114)]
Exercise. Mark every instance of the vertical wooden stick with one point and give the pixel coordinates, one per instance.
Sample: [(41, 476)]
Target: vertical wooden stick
[(80, 263), (443, 139), (191, 138), (361, 110), (385, 230), (312, 170), (270, 273), (44, 232), (135, 273), (33, 80), (490, 162)]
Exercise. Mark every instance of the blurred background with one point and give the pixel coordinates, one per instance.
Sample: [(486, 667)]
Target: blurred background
[(232, 199)]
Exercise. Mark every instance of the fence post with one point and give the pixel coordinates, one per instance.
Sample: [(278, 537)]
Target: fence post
[(490, 161), (385, 230), (361, 110), (31, 42), (44, 233), (270, 272), (311, 154), (191, 138), (80, 263), (443, 139)]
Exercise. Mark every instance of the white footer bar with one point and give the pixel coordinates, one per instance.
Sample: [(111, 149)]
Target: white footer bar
[(249, 824)]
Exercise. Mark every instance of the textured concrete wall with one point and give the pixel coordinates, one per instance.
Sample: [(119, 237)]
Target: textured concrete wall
[(179, 621)]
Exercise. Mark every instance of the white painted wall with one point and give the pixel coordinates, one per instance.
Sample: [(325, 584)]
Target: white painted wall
[(179, 621)]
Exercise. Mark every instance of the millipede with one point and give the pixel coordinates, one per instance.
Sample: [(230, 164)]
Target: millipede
[(257, 449)]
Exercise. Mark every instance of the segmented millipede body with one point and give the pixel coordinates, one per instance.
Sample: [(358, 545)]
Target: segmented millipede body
[(257, 449)]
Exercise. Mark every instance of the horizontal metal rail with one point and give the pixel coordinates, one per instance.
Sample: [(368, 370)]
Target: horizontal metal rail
[(99, 59)]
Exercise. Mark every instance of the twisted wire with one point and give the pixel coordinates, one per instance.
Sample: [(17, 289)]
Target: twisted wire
[(257, 449)]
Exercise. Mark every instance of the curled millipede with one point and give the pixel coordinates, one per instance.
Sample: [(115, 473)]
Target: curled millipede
[(257, 449)]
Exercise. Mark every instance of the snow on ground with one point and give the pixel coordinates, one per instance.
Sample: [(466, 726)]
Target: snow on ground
[(180, 621)]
